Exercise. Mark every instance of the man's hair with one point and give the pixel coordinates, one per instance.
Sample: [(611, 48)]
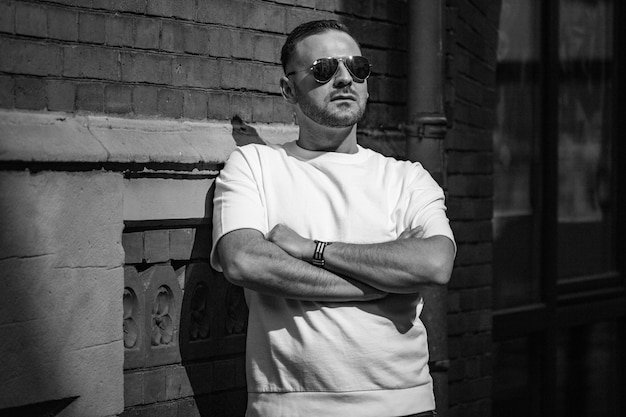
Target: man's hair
[(305, 30)]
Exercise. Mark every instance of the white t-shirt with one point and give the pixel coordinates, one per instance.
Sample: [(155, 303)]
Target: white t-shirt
[(331, 358)]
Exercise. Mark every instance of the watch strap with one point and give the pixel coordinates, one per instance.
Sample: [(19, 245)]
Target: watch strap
[(318, 254)]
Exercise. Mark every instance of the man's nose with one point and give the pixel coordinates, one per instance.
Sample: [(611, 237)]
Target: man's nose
[(342, 76)]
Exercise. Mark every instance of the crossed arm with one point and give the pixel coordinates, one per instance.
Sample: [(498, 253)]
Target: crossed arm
[(279, 265)]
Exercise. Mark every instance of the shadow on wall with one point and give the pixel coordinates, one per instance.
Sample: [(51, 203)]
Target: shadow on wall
[(214, 321), (243, 133)]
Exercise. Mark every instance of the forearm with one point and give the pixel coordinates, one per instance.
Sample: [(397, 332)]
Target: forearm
[(252, 262), (399, 266)]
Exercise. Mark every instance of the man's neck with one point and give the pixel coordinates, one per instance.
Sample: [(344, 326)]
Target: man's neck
[(327, 139)]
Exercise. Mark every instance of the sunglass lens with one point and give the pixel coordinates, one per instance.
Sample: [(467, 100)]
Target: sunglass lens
[(359, 67), (324, 69)]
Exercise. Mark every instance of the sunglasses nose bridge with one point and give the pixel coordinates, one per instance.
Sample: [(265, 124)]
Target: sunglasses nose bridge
[(342, 72)]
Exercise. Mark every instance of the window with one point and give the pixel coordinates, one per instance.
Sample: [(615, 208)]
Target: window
[(558, 274)]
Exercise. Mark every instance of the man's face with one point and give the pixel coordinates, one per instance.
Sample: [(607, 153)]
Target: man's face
[(341, 101)]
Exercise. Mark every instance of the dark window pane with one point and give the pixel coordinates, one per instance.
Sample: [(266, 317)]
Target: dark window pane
[(590, 370), (516, 156), (516, 389), (586, 173)]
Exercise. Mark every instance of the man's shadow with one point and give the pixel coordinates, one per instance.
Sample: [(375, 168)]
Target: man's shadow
[(213, 319)]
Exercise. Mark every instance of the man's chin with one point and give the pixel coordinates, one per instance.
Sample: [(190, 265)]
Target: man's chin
[(342, 120)]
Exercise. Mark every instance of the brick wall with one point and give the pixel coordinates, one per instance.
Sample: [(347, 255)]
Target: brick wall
[(185, 59), (470, 81)]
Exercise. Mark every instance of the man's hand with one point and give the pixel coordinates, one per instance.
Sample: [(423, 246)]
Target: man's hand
[(291, 242)]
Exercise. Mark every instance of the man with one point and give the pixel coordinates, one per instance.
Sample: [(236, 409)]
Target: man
[(332, 243)]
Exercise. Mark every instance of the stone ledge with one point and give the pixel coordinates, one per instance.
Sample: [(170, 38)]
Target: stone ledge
[(65, 138)]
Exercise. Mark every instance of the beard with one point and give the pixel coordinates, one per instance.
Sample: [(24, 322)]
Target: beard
[(331, 116)]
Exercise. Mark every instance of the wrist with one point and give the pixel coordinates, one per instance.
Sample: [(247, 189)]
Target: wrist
[(317, 258)]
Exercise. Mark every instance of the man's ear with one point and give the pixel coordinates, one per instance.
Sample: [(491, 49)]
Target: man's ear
[(287, 89)]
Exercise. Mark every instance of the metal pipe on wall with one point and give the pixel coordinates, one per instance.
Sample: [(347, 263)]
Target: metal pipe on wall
[(425, 130), (426, 121)]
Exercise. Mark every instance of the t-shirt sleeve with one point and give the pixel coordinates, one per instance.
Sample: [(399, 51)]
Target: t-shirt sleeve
[(237, 203), (426, 208)]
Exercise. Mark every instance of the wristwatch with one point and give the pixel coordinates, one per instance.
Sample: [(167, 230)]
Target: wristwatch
[(318, 255)]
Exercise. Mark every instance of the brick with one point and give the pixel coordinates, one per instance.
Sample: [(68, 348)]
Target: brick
[(474, 253), (61, 95), (240, 106), (118, 99), (133, 247), (91, 62), (265, 17), (283, 111), (469, 208), (185, 9), (219, 106), (470, 185), (156, 246), (476, 298), (471, 276), (454, 302), (224, 12), (170, 103), (7, 93), (177, 384), (221, 42), (196, 39), (133, 388), (134, 6), (154, 385), (145, 100), (30, 20), (237, 75), (201, 377), (262, 108), (204, 73), (7, 17), (188, 408), (195, 105), (472, 231), (90, 97), (267, 48), (224, 375), (172, 37), (30, 93), (91, 28), (181, 243), (358, 8), (469, 90), (33, 58), (62, 24), (469, 139), (147, 33), (245, 45), (119, 31), (146, 67), (160, 8)]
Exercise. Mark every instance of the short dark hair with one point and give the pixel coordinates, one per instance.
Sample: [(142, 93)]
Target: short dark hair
[(305, 30)]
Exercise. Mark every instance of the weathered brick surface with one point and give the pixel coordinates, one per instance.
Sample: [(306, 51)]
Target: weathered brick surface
[(171, 55), (470, 78)]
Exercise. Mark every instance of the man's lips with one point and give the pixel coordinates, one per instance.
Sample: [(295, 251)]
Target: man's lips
[(343, 97)]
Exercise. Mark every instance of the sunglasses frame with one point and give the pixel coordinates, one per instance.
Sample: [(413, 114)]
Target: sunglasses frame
[(345, 60)]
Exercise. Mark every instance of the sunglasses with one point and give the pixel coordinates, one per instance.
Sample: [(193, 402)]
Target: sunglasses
[(324, 69)]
